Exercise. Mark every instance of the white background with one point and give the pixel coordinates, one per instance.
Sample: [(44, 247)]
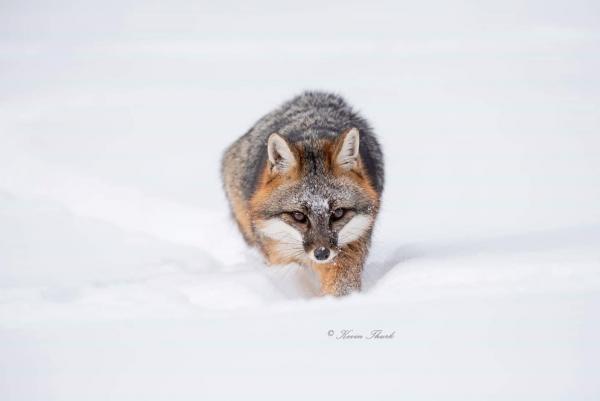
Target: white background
[(122, 276)]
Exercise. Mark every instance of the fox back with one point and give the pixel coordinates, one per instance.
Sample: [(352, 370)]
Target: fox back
[(304, 185)]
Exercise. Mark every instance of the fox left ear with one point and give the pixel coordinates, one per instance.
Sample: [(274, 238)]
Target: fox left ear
[(281, 157), (347, 150)]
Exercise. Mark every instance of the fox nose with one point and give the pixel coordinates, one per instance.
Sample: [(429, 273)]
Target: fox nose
[(321, 253)]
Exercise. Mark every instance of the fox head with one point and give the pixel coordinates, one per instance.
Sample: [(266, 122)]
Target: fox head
[(314, 197)]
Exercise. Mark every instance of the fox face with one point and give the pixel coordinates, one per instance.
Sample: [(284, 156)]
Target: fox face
[(314, 199)]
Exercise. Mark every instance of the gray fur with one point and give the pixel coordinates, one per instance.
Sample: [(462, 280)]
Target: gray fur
[(304, 122), (305, 118)]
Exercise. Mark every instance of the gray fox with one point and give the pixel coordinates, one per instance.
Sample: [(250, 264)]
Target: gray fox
[(304, 185)]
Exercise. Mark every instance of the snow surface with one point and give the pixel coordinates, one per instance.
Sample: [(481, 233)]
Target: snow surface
[(123, 278)]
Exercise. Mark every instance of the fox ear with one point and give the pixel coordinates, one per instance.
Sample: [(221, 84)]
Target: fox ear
[(347, 149), (281, 157)]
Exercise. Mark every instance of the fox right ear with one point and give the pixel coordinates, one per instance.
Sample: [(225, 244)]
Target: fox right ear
[(347, 149), (281, 157)]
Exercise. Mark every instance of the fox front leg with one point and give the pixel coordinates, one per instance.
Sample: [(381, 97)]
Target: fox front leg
[(343, 276)]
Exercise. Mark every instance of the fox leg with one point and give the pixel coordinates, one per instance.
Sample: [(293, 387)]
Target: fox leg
[(343, 276), (338, 280)]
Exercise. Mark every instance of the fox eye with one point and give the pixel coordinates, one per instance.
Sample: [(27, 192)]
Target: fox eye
[(338, 213), (299, 217)]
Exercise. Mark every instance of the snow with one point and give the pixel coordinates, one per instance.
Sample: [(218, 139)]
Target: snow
[(123, 277)]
